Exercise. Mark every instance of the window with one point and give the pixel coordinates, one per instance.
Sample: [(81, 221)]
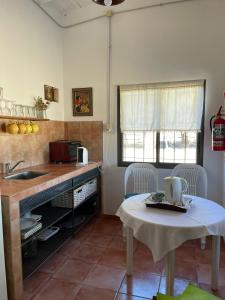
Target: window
[(161, 123)]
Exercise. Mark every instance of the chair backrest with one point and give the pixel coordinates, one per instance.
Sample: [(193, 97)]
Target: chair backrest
[(196, 177), (141, 178)]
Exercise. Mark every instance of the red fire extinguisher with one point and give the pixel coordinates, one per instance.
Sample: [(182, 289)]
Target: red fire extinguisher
[(218, 131)]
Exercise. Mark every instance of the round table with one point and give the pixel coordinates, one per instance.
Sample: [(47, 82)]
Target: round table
[(162, 231)]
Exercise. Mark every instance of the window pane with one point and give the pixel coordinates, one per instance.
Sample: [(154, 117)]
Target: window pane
[(178, 147), (139, 146)]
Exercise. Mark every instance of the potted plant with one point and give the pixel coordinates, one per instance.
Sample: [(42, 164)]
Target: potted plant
[(41, 107)]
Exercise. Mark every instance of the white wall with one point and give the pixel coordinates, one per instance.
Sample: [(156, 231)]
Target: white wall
[(176, 42), (85, 65), (30, 54)]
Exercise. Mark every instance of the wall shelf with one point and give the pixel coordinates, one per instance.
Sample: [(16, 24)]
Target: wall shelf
[(3, 133), (22, 118)]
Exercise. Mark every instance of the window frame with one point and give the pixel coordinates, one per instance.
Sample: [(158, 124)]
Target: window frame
[(158, 164)]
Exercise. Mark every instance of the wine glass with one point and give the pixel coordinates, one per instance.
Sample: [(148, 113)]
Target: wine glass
[(9, 107)]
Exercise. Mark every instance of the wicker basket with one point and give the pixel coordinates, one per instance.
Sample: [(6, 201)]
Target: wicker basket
[(91, 187), (63, 201), (79, 195)]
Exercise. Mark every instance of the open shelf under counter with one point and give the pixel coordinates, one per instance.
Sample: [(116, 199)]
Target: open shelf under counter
[(45, 249), (50, 215)]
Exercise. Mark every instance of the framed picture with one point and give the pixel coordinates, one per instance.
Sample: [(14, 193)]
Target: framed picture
[(51, 93), (82, 102)]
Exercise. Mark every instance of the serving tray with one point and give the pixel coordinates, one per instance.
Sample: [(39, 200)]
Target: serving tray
[(186, 203)]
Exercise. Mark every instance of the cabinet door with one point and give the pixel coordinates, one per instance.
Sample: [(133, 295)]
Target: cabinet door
[(3, 290)]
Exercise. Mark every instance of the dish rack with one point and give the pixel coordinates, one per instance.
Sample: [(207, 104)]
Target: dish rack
[(80, 194)]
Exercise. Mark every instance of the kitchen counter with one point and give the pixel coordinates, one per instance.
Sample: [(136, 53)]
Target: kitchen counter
[(13, 191), (17, 190)]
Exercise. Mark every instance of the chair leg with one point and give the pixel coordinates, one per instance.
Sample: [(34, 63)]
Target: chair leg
[(170, 270), (130, 250), (124, 232), (203, 243), (215, 262)]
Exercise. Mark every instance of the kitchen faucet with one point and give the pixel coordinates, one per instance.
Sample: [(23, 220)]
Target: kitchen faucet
[(9, 169)]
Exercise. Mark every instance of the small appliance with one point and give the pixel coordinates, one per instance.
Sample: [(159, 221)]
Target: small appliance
[(82, 156), (174, 190), (63, 151)]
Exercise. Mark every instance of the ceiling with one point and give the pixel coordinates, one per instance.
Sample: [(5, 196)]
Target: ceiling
[(68, 13)]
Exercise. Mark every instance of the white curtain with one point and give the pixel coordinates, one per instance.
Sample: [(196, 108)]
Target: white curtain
[(168, 106)]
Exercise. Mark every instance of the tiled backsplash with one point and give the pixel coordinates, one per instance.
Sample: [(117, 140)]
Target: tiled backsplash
[(34, 148), (90, 134)]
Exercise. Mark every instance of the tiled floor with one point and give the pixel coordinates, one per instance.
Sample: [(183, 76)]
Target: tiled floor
[(91, 266)]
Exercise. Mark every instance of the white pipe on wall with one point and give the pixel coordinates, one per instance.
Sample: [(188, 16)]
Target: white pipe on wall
[(108, 117)]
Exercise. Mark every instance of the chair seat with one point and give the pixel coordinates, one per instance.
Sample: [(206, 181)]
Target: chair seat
[(130, 195), (191, 293)]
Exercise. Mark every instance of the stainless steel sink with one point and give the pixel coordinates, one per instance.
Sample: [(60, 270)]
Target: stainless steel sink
[(25, 175)]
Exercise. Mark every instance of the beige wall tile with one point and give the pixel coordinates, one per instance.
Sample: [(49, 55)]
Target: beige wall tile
[(34, 148)]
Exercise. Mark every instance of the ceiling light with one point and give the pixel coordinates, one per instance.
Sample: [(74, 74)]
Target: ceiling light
[(108, 2)]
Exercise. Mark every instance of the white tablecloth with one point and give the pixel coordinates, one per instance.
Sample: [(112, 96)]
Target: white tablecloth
[(164, 230)]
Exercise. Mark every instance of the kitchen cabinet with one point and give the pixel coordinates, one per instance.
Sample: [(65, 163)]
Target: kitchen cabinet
[(21, 196), (68, 206)]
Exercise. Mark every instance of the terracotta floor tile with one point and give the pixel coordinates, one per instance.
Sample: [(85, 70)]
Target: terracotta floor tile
[(204, 275), (105, 277), (77, 277), (33, 283), (129, 297), (185, 253), (203, 256), (105, 228), (186, 270), (120, 232), (179, 286), (91, 293), (27, 296), (197, 243), (143, 262), (83, 234), (109, 219), (114, 258), (140, 285), (119, 243), (88, 253), (142, 247), (208, 244), (222, 259), (223, 244), (58, 290), (53, 264), (99, 240), (220, 292), (192, 243), (69, 247), (74, 270)]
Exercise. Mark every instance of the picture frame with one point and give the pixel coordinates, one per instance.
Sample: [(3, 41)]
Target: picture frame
[(82, 101), (51, 93)]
